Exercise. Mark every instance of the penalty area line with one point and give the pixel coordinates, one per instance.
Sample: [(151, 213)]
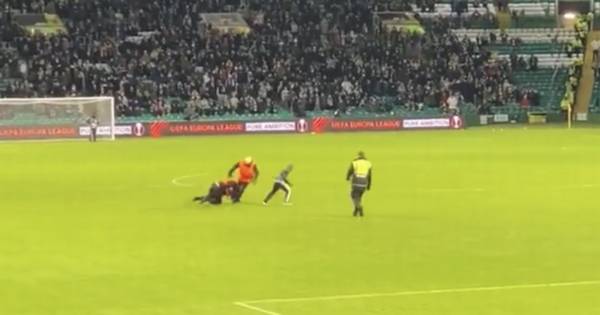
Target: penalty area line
[(250, 304)]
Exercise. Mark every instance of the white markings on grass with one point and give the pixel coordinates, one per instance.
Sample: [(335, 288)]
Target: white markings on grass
[(180, 181), (250, 304), (255, 308)]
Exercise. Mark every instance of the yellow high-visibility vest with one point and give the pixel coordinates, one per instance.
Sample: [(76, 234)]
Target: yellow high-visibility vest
[(361, 168)]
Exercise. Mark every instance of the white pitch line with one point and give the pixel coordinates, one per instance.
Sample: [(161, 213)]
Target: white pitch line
[(254, 308), (177, 180), (423, 292)]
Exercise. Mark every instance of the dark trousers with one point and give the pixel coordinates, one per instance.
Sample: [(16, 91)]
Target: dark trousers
[(92, 134), (356, 194), (241, 189), (214, 195), (276, 187)]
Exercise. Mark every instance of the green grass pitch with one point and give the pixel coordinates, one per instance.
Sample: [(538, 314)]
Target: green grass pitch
[(101, 229)]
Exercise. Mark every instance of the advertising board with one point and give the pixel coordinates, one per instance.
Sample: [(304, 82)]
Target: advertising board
[(160, 128), (324, 124), (38, 132)]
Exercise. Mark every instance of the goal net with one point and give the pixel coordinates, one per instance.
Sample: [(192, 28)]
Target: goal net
[(56, 118)]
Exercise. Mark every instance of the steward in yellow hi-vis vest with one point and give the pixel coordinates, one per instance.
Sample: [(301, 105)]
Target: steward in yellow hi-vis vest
[(359, 174)]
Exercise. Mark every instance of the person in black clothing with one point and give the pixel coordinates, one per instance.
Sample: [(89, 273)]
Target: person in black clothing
[(359, 173), (281, 183), (218, 190), (93, 124)]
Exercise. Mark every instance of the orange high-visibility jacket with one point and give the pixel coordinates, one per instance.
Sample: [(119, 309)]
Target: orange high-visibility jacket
[(246, 172)]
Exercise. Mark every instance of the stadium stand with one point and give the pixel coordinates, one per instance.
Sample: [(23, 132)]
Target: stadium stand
[(290, 57), (547, 82), (446, 9), (532, 8), (548, 45), (595, 103)]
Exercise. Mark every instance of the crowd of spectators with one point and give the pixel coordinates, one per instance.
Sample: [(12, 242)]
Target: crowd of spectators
[(300, 55)]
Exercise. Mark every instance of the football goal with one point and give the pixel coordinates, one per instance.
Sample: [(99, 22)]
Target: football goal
[(56, 118)]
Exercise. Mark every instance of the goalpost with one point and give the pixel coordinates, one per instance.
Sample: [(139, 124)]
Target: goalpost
[(569, 117), (56, 118)]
